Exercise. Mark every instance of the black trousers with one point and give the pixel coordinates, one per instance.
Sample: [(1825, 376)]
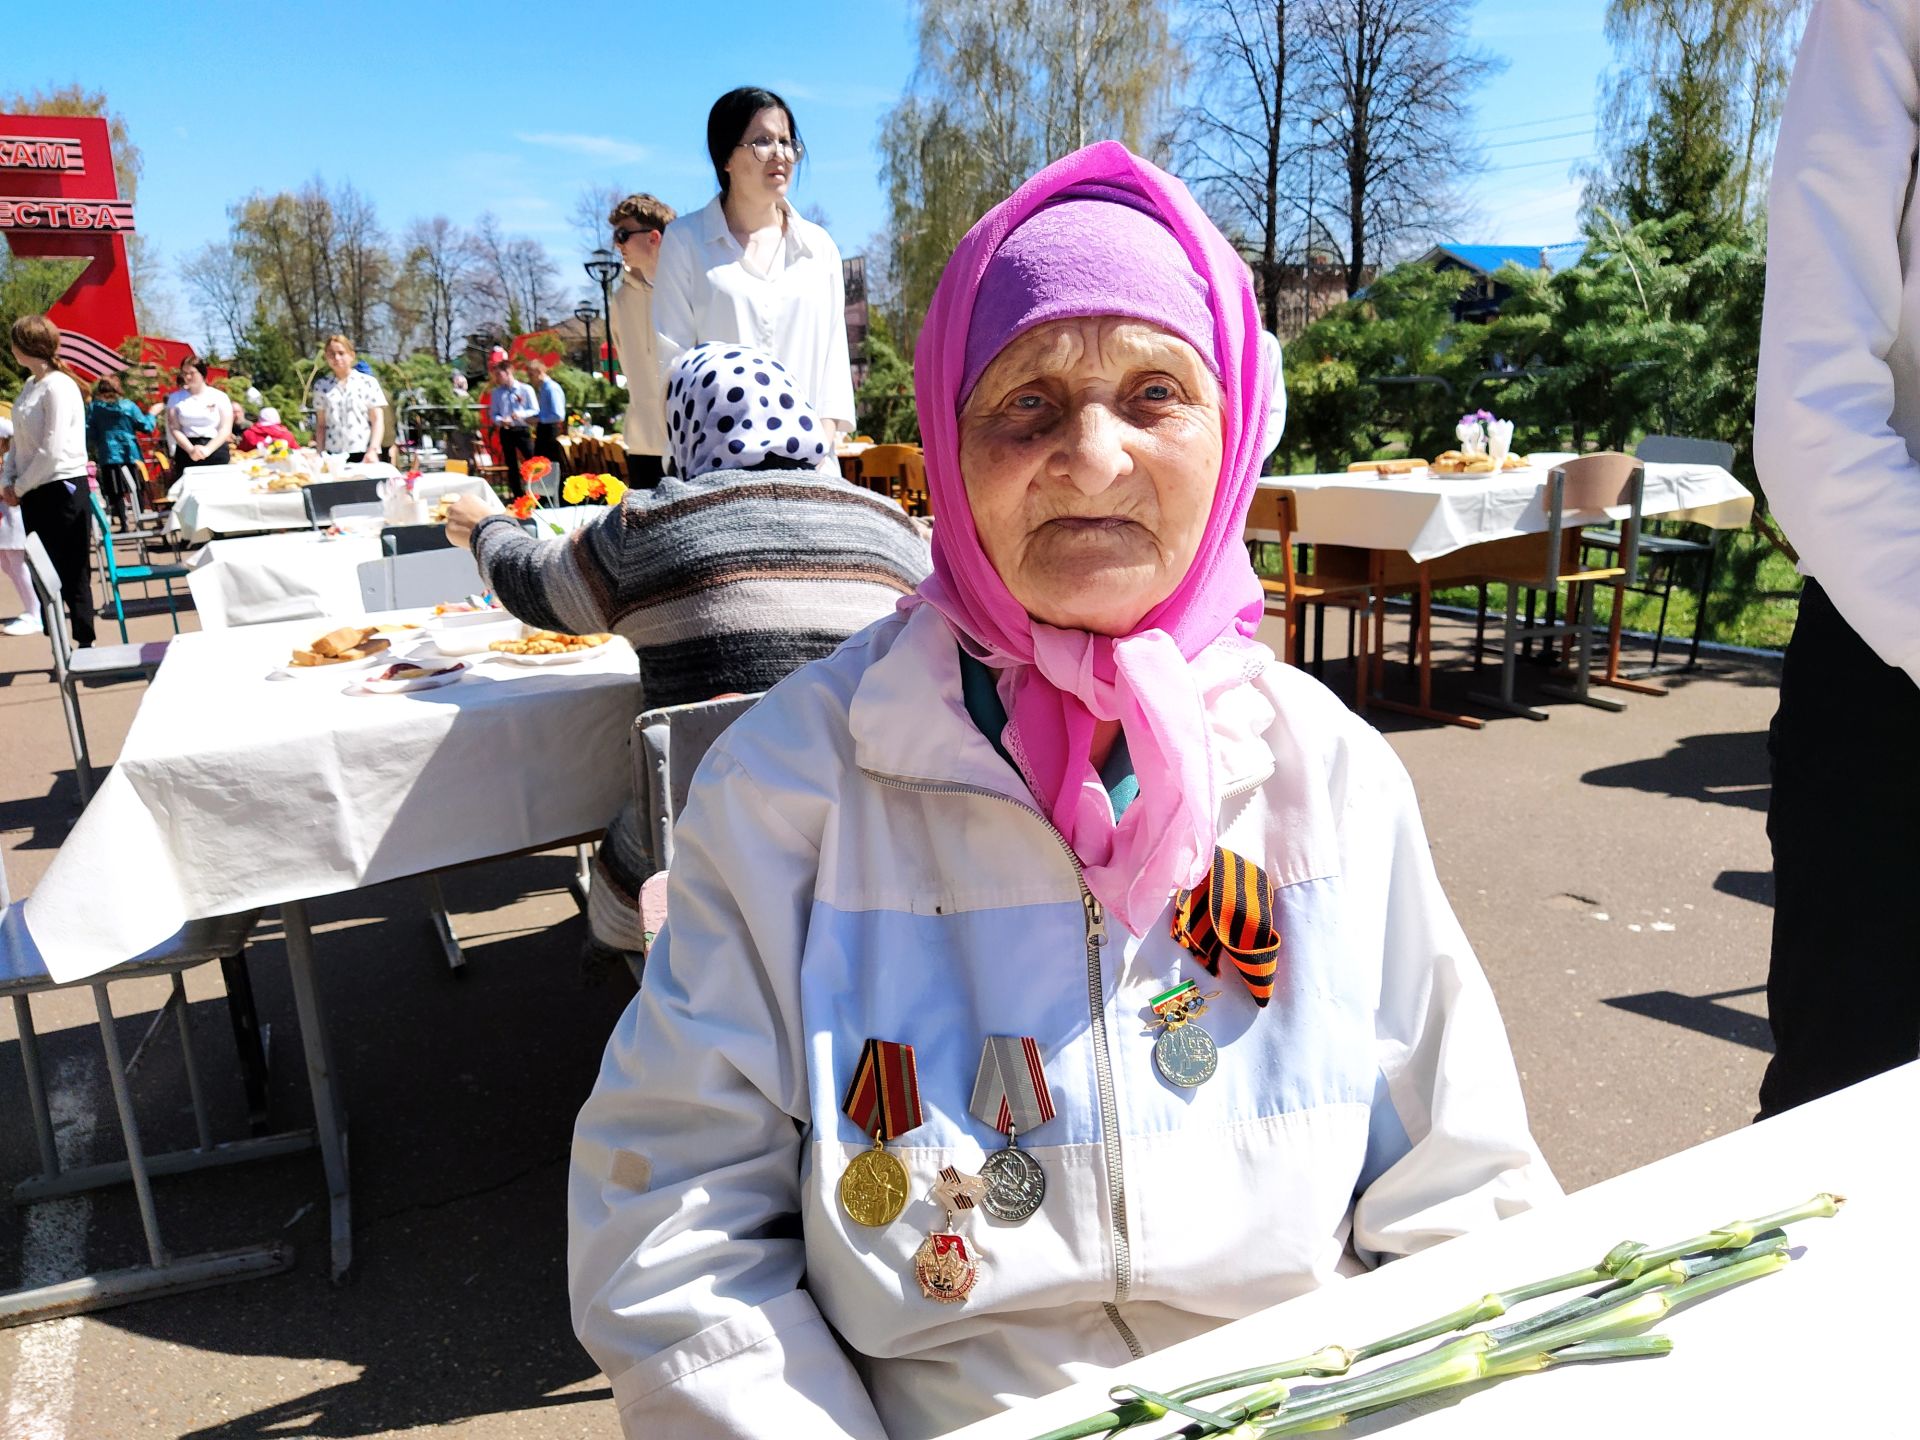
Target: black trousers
[(1844, 988), (121, 486), (515, 445), (64, 522), (643, 471), (546, 441), (221, 456)]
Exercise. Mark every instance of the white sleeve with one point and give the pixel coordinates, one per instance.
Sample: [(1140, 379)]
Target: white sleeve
[(834, 398), (1841, 479), (677, 282), (1449, 1147), (685, 1258)]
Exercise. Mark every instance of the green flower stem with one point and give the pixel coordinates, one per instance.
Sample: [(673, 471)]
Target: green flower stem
[(1630, 1271)]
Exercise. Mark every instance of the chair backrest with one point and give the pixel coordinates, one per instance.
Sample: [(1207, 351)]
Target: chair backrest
[(1591, 483), (46, 583), (668, 745), (458, 467), (889, 461), (1684, 450), (1274, 511), (103, 538), (412, 539), (368, 508), (428, 577), (322, 495)]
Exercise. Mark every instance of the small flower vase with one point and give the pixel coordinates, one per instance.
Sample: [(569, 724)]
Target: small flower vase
[(1499, 441)]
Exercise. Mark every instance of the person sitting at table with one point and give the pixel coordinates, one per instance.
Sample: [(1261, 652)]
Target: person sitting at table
[(114, 427), (974, 878), (349, 407), (266, 429), (511, 408), (199, 419), (746, 565)]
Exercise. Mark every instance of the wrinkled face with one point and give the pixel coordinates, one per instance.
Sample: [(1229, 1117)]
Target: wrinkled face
[(1091, 450), (752, 178)]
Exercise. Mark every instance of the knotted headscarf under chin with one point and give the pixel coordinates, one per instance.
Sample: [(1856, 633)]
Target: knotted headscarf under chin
[(1104, 233)]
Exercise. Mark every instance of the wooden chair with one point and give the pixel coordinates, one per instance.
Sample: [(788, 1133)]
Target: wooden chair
[(1588, 484), (898, 471), (1274, 512)]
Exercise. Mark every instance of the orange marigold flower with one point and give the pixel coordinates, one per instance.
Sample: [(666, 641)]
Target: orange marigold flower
[(536, 468), (523, 506)]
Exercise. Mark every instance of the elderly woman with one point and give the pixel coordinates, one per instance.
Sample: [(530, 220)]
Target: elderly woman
[(746, 565), (349, 407), (1058, 855)]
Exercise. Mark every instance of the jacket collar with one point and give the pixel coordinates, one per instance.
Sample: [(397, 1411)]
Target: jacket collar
[(909, 721), (714, 231)]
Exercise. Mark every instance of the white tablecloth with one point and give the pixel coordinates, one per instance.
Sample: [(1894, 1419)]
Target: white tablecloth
[(295, 576), (1432, 515), (234, 791), (1821, 1348), (222, 499)]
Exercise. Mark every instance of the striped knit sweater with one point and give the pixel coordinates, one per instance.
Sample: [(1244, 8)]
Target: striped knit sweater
[(723, 582)]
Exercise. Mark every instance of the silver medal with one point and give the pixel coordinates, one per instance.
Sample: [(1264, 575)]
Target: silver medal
[(1186, 1055), (1015, 1185)]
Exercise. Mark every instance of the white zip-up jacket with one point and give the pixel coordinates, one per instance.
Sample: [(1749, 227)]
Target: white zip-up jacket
[(856, 860), (1836, 423)]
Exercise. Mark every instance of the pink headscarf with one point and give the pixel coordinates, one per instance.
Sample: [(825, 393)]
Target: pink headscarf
[(1159, 680)]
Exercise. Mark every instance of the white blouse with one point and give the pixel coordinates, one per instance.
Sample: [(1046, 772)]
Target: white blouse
[(198, 417), (797, 312), (49, 434), (348, 407)]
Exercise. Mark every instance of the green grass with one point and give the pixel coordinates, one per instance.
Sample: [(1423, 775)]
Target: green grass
[(1755, 597)]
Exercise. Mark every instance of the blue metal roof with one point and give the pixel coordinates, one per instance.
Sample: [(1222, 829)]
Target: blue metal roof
[(1489, 258)]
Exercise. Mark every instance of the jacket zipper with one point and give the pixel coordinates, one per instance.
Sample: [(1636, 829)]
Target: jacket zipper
[(1096, 932)]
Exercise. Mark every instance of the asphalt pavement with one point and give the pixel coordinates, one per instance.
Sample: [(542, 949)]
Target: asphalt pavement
[(1611, 870)]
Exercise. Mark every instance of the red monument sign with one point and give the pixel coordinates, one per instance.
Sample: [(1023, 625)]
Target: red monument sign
[(59, 198)]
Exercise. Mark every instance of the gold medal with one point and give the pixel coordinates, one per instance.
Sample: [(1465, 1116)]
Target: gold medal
[(873, 1189), (883, 1100)]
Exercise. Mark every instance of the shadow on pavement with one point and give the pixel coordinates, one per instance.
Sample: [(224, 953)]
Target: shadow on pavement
[(1714, 769), (1754, 885), (461, 1096), (1703, 1013)]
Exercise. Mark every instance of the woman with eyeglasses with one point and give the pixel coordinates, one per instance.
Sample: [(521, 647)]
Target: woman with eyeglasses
[(748, 269)]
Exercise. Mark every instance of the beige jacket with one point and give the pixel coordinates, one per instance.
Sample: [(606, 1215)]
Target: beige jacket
[(633, 342)]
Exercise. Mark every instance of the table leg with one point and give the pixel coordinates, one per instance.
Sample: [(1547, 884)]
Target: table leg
[(329, 1114), (1423, 619), (1611, 676)]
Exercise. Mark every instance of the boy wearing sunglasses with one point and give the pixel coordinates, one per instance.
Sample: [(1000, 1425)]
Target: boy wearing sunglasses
[(637, 222)]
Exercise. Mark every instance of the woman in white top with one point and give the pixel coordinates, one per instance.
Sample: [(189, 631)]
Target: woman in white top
[(747, 269), (199, 418), (349, 407), (13, 555), (45, 472)]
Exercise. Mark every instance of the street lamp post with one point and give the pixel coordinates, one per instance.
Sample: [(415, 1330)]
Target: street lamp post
[(603, 267), (583, 312)]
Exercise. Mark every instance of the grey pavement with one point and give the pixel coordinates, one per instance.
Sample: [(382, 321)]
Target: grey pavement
[(1611, 870)]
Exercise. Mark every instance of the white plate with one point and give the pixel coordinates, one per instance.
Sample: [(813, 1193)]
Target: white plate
[(470, 632), (566, 657), (433, 680)]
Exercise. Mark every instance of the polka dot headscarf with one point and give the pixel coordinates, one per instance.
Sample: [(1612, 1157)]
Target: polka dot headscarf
[(729, 407)]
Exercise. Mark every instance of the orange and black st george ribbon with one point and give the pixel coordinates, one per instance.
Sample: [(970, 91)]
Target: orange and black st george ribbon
[(1231, 912)]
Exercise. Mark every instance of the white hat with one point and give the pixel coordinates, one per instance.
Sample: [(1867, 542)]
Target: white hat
[(269, 416)]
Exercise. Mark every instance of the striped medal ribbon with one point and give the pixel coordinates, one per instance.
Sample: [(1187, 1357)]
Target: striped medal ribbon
[(1011, 1094), (1231, 913), (884, 1101)]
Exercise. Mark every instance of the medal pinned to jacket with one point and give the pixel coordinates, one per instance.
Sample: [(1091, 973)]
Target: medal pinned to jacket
[(1231, 913)]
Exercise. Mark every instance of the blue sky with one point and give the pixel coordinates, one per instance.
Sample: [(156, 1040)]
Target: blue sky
[(515, 108)]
